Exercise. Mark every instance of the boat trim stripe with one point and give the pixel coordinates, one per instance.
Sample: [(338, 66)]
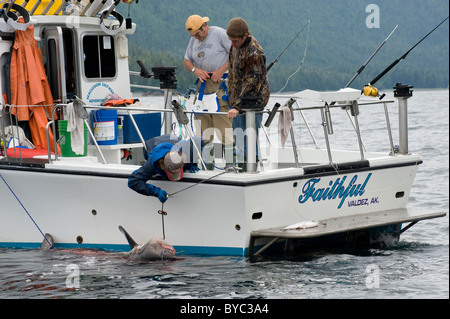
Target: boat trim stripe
[(316, 171)]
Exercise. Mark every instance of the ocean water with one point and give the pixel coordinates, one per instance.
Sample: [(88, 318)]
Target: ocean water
[(415, 267)]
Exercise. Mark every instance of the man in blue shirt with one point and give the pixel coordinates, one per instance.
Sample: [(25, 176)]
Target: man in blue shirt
[(166, 156)]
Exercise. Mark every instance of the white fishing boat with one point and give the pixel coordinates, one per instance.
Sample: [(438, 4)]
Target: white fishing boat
[(295, 195)]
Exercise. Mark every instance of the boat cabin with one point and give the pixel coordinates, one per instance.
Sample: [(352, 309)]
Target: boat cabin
[(79, 57)]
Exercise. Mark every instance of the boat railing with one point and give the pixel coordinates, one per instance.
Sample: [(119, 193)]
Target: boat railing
[(352, 110), (128, 109), (17, 135)]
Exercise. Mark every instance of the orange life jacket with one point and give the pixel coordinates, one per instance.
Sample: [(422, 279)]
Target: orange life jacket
[(122, 102)]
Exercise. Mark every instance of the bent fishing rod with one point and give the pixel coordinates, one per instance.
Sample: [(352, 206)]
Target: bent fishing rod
[(276, 59), (403, 56)]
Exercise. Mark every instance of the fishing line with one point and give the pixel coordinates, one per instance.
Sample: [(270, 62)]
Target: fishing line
[(387, 75), (163, 213), (279, 55), (1, 176), (235, 169), (303, 60)]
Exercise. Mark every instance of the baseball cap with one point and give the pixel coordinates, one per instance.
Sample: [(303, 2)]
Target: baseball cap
[(237, 27), (194, 22), (173, 165)]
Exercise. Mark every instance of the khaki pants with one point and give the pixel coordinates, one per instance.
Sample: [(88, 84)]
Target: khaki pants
[(218, 124)]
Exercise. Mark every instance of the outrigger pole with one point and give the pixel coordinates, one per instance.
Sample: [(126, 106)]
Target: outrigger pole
[(403, 56), (276, 59)]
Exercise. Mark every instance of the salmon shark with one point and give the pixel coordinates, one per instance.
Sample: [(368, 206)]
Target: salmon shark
[(154, 249)]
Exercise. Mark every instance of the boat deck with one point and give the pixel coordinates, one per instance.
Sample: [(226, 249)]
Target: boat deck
[(341, 225)]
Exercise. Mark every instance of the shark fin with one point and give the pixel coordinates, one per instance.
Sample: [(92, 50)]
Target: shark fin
[(131, 241)]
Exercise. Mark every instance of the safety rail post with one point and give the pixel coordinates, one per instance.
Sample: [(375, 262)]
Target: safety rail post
[(49, 150), (167, 115), (250, 133), (87, 126), (354, 109), (403, 92), (137, 129), (307, 124), (325, 133), (388, 125), (250, 105)]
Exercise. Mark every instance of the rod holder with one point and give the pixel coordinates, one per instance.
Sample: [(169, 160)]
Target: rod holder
[(328, 120), (403, 92)]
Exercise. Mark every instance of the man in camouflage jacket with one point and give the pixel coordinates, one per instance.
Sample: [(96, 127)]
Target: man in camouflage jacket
[(247, 67), (247, 76)]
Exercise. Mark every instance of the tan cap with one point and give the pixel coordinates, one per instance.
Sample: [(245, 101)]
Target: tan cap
[(173, 165), (194, 22)]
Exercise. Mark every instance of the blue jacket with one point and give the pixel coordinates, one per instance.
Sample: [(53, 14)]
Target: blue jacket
[(157, 148)]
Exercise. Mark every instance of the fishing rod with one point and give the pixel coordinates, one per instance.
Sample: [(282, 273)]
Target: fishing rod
[(370, 58), (403, 56), (276, 59)]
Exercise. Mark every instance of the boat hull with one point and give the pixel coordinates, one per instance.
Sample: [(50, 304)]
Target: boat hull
[(84, 207)]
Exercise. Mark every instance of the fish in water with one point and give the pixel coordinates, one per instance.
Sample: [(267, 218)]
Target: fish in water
[(154, 249)]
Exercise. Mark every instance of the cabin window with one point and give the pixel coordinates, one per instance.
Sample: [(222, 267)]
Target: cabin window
[(99, 56), (69, 58), (53, 69)]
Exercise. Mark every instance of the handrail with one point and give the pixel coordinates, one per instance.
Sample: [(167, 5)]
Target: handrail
[(47, 133), (326, 122), (298, 108), (87, 126)]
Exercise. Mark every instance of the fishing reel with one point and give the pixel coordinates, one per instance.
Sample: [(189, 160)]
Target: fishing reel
[(371, 91)]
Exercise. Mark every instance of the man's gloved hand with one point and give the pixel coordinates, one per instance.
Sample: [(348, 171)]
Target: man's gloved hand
[(162, 196), (194, 169)]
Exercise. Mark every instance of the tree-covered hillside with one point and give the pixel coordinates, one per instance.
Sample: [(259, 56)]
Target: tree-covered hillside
[(338, 39)]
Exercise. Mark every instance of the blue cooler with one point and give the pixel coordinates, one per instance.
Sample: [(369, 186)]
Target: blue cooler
[(149, 125)]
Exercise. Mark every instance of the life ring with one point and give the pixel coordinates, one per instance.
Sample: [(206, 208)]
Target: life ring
[(106, 29), (12, 19)]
